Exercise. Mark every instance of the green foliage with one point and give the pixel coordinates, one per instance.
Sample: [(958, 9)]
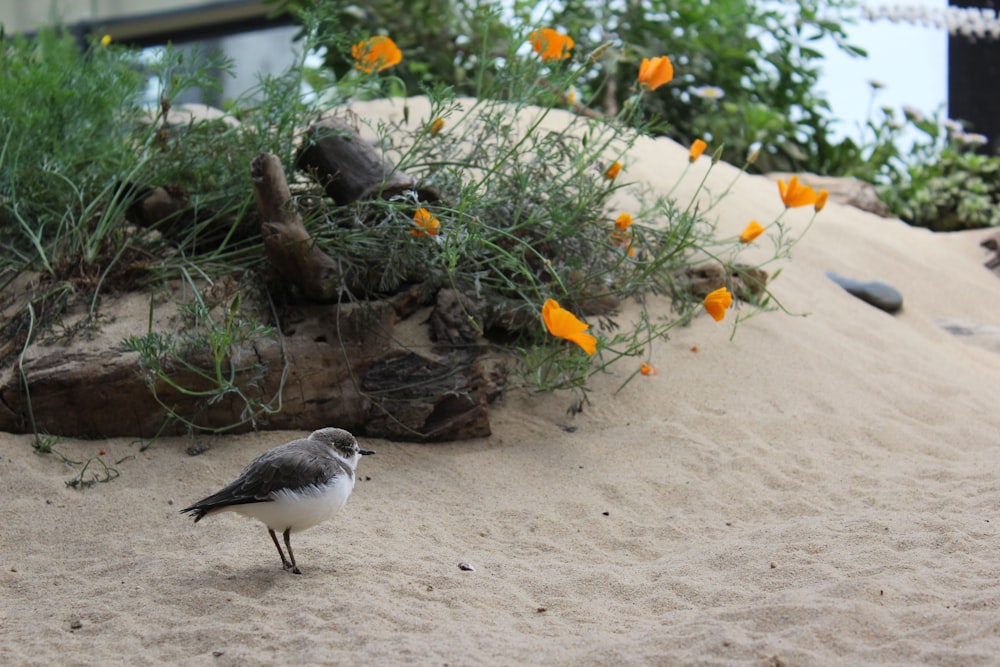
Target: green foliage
[(65, 129), (958, 189), (61, 112), (524, 204), (526, 215), (209, 359), (746, 76), (453, 42), (78, 146), (534, 222), (758, 55), (926, 168), (102, 473)]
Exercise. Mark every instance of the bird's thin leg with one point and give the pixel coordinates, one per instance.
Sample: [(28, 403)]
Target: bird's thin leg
[(295, 568), (284, 561)]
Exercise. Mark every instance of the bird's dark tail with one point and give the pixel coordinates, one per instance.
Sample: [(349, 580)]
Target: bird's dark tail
[(206, 506), (198, 511)]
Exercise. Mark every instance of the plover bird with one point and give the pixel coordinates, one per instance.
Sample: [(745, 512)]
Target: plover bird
[(291, 487)]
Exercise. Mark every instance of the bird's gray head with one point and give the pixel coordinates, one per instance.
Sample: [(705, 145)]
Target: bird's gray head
[(345, 444)]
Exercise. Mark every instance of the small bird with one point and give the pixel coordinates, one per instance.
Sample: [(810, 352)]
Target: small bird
[(291, 487)]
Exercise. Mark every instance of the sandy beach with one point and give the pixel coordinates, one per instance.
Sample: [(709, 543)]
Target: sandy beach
[(823, 489)]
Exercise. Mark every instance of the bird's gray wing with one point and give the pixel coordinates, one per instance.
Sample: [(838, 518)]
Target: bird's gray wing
[(295, 465)]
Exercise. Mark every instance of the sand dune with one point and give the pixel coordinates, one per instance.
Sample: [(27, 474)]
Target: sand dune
[(821, 490)]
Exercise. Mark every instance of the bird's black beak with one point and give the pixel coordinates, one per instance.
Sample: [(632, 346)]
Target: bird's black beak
[(365, 452)]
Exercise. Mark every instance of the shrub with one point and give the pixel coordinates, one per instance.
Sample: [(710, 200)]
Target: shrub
[(523, 230)]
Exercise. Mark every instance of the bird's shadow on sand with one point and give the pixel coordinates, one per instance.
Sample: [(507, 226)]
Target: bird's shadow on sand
[(251, 580)]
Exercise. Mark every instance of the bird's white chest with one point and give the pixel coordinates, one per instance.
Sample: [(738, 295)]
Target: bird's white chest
[(303, 508)]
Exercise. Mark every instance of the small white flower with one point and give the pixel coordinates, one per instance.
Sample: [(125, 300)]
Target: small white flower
[(971, 138), (952, 126), (913, 114), (708, 92)]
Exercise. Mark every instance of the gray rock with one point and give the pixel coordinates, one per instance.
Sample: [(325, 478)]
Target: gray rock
[(975, 333), (879, 294)]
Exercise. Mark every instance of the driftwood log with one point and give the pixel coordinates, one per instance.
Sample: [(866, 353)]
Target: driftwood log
[(349, 168), (290, 250), (333, 363), (329, 368), (746, 282)]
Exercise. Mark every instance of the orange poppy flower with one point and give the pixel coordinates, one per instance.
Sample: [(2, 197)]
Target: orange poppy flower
[(646, 369), (751, 231), (654, 72), (550, 44), (623, 222), (795, 194), (563, 324), (821, 200), (376, 54), (613, 171), (697, 148), (717, 302), (427, 223)]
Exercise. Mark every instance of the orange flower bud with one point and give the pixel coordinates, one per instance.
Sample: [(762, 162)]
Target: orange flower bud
[(821, 200), (751, 231), (623, 221), (427, 224), (697, 148)]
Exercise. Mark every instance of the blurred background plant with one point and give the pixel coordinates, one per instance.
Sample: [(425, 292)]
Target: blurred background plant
[(747, 74), (746, 70), (927, 168), (944, 183)]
